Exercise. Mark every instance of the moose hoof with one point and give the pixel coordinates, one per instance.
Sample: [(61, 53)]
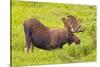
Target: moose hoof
[(25, 49)]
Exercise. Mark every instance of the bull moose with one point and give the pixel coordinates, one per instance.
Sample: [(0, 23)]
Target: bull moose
[(46, 38)]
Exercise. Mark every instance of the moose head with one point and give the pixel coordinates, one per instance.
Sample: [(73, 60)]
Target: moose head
[(46, 38)]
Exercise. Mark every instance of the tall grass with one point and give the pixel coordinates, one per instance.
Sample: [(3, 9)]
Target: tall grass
[(50, 15)]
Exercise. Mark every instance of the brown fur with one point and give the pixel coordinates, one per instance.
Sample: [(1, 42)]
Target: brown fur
[(43, 37)]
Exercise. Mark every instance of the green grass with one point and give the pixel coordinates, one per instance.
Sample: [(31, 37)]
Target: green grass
[(50, 15)]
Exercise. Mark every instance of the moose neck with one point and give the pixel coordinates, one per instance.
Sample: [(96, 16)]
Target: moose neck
[(69, 38)]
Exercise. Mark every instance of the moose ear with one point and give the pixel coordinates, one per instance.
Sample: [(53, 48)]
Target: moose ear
[(66, 23)]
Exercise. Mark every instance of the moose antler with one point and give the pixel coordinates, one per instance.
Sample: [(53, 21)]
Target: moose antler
[(73, 24), (66, 24)]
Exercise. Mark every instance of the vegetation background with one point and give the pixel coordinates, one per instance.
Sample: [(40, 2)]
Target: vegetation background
[(50, 15)]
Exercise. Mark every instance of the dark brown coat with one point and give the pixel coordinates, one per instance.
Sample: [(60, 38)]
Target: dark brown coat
[(43, 37)]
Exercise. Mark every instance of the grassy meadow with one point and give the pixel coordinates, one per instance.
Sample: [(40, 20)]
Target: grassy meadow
[(50, 15)]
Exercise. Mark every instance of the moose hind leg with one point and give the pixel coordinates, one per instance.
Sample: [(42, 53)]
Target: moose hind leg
[(28, 38)]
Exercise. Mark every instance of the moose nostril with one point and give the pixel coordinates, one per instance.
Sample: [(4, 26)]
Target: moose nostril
[(77, 42)]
